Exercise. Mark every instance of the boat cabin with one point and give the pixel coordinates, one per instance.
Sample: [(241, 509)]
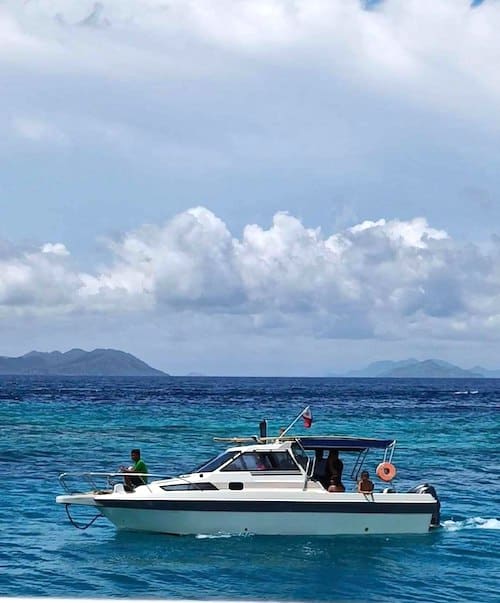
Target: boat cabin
[(284, 461)]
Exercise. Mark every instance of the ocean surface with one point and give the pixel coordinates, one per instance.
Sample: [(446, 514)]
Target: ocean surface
[(52, 425)]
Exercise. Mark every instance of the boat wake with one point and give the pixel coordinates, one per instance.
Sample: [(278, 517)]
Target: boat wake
[(472, 523), (221, 535)]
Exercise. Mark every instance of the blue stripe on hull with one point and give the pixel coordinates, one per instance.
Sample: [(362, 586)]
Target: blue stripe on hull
[(272, 506)]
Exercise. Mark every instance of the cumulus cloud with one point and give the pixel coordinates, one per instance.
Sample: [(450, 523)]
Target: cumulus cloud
[(187, 263), (377, 279), (55, 248), (36, 281)]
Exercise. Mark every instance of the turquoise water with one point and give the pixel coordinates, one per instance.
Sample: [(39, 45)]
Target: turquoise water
[(50, 425)]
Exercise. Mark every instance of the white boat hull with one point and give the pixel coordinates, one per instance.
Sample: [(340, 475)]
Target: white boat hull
[(368, 516), (288, 524)]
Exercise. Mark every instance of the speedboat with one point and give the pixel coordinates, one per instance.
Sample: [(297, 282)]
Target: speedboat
[(265, 485)]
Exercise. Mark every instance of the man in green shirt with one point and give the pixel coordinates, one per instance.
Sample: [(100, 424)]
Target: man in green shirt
[(139, 466)]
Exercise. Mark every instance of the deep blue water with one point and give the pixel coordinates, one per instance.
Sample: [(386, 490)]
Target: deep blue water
[(51, 425)]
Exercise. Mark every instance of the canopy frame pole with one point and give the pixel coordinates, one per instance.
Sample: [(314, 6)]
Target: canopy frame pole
[(389, 452)]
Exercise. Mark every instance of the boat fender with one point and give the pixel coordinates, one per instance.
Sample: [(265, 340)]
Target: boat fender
[(386, 471)]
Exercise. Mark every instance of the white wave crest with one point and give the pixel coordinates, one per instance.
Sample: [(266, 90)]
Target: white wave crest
[(222, 535), (471, 523)]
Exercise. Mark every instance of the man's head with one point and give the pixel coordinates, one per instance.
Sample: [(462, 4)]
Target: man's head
[(365, 475), (135, 454)]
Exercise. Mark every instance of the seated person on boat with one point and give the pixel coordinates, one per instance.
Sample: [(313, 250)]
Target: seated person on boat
[(139, 466)]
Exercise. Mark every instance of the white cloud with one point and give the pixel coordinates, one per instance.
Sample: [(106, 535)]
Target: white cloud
[(34, 282), (190, 261), (385, 279), (37, 130), (416, 233), (221, 97), (55, 248)]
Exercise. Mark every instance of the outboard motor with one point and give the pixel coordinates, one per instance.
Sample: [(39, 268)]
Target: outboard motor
[(428, 489)]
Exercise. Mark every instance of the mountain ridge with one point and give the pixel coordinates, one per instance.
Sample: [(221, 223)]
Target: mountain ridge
[(101, 362), (412, 369)]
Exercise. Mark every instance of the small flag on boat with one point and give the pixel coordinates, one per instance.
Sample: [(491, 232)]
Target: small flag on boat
[(307, 416)]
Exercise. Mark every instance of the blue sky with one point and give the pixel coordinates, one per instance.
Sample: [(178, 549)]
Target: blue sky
[(251, 187)]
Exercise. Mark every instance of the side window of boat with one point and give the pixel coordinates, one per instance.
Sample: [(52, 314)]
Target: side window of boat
[(250, 461), (267, 461), (237, 465), (257, 462), (192, 486), (282, 461)]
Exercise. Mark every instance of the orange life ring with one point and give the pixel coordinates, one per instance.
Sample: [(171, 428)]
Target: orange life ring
[(386, 472)]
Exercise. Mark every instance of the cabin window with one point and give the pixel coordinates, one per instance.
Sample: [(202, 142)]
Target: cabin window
[(282, 461), (199, 486), (237, 465), (263, 461)]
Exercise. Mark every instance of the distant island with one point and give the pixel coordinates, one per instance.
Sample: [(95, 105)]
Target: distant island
[(116, 363), (76, 362), (414, 369)]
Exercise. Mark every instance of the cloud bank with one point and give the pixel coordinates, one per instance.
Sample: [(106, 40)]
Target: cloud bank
[(395, 51), (321, 107), (384, 279)]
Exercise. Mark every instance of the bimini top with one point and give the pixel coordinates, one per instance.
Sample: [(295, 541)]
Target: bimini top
[(332, 442), (342, 443)]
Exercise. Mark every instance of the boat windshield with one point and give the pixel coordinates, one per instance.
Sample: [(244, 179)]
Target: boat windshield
[(215, 462)]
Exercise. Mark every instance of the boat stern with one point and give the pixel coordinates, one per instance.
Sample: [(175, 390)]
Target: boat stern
[(428, 489)]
